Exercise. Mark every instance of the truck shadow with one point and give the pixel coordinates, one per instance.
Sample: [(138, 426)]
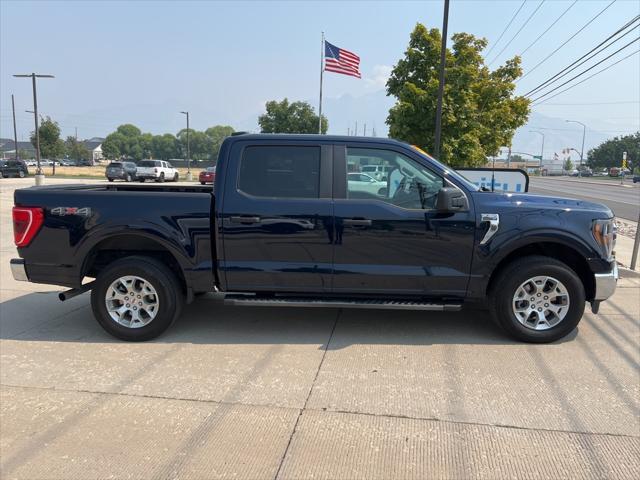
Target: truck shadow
[(41, 317)]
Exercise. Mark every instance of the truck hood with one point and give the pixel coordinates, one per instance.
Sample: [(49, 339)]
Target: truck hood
[(528, 201)]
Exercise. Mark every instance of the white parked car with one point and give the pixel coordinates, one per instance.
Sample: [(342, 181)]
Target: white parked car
[(361, 182), (157, 170), (379, 172)]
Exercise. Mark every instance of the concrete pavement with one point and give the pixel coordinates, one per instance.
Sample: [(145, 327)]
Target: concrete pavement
[(293, 393)]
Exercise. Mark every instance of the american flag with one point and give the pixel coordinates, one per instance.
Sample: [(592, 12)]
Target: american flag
[(339, 60)]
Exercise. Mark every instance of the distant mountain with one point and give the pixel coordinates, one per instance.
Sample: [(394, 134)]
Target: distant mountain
[(558, 135)]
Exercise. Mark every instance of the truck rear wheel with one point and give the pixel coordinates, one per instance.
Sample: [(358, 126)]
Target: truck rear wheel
[(136, 298), (537, 299)]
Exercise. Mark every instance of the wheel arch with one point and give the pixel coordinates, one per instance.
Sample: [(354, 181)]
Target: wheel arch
[(124, 245), (562, 252)]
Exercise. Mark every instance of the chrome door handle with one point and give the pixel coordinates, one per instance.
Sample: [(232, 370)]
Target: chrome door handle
[(494, 224), (357, 222), (244, 219)]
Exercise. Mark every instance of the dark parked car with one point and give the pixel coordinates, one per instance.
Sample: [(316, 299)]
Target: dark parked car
[(13, 168), (283, 227), (121, 171), (208, 175)]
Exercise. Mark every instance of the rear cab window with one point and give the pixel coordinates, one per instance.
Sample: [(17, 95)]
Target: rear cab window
[(280, 171)]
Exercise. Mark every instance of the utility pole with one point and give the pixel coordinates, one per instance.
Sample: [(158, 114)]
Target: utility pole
[(39, 175), (189, 177), (443, 57), (364, 133), (584, 131), (509, 157), (356, 134), (15, 131)]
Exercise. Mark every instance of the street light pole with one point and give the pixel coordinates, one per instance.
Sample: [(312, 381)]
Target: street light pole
[(443, 57), (15, 131), (542, 149), (189, 177), (584, 131), (39, 175)]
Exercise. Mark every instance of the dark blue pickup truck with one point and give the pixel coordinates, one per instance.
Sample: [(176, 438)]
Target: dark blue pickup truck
[(293, 221)]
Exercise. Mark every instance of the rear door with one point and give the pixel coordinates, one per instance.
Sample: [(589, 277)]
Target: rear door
[(393, 242), (277, 217)]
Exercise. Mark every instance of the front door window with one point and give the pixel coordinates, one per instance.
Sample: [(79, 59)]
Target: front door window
[(398, 179)]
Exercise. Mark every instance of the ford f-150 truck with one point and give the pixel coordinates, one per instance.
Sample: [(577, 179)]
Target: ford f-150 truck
[(283, 227)]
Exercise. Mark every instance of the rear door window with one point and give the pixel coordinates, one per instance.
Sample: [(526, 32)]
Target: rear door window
[(280, 171)]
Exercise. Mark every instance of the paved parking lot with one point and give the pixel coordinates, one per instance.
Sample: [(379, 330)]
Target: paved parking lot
[(293, 393)]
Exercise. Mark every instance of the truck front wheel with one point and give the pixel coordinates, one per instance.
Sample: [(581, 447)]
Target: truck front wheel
[(136, 298), (537, 299)]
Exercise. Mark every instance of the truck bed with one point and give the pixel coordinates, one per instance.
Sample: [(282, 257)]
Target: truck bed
[(82, 220)]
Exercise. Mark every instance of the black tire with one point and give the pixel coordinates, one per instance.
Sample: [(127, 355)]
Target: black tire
[(515, 274), (21, 174), (141, 180), (203, 183), (169, 292), (161, 179), (176, 177), (110, 179)]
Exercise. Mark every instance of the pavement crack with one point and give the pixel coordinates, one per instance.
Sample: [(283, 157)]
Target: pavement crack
[(306, 401)]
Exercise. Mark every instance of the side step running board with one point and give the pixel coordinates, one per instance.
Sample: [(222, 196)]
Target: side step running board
[(250, 301)]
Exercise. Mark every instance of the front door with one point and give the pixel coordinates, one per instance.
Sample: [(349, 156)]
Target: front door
[(277, 219), (390, 240)]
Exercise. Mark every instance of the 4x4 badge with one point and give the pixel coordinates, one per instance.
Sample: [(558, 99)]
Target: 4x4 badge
[(64, 211)]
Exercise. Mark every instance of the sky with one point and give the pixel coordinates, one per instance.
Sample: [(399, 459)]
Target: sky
[(143, 62)]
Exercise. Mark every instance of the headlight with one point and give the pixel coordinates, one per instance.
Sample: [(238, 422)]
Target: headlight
[(604, 232)]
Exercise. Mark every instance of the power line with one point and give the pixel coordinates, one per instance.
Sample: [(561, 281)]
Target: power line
[(567, 41), (584, 80), (566, 70), (620, 102), (549, 27), (506, 28), (588, 69), (518, 32)]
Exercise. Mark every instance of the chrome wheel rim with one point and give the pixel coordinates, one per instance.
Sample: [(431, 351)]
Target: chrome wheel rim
[(132, 301), (541, 302)]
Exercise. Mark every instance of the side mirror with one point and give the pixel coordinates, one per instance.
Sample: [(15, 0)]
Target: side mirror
[(451, 200)]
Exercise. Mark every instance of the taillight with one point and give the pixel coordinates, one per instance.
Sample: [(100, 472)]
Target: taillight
[(26, 223)]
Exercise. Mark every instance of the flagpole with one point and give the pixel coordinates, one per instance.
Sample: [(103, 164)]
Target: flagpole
[(321, 75)]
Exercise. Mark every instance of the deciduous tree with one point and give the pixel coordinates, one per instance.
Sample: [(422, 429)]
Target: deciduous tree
[(51, 146), (480, 110), (285, 117), (217, 134), (609, 154), (76, 150)]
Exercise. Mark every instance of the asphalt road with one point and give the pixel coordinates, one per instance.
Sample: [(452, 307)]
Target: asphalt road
[(292, 393), (624, 200)]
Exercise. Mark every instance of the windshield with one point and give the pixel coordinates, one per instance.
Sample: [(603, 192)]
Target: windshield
[(114, 164), (450, 172)]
